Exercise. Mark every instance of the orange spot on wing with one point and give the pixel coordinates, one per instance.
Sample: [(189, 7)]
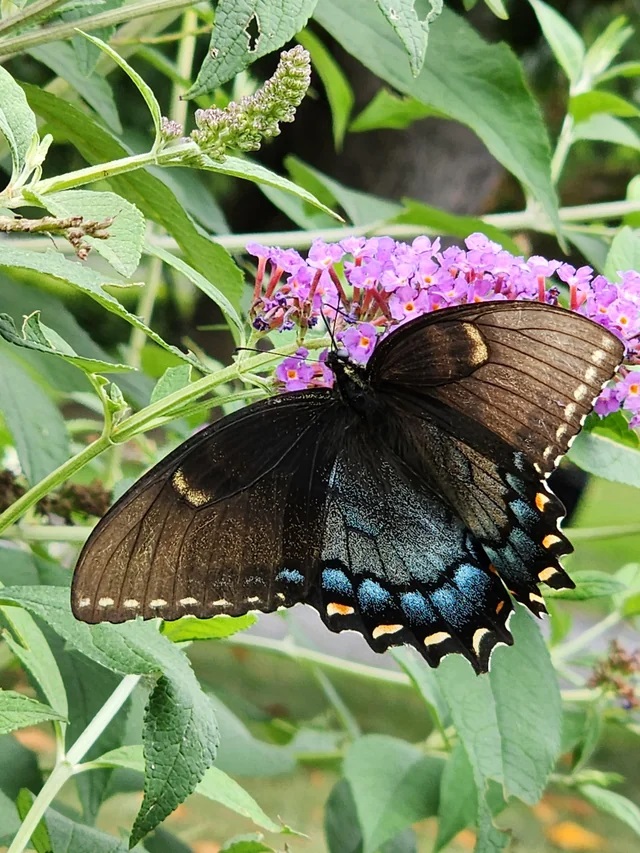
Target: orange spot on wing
[(337, 609), (542, 500)]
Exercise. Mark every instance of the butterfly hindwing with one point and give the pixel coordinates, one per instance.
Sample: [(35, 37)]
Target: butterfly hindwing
[(398, 565), (229, 522), (486, 432)]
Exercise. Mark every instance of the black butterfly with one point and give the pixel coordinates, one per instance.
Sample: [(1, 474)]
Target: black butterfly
[(403, 503)]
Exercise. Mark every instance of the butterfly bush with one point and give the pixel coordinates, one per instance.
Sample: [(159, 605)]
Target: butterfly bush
[(366, 287)]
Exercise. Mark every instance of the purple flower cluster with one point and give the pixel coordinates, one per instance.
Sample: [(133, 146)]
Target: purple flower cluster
[(365, 287)]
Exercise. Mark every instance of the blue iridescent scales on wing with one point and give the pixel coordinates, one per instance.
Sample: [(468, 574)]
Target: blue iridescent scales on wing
[(408, 502)]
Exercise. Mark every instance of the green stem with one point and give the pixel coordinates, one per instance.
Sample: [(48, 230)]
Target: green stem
[(60, 475), (326, 662), (109, 18), (29, 15), (585, 534), (586, 638), (66, 768), (49, 533), (565, 140)]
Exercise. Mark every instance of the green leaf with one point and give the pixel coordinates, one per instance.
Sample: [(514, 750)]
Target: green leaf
[(498, 719), (244, 31), (624, 253), (148, 192), (123, 246), (37, 427), (180, 741), (613, 804), (242, 754), (17, 122), (498, 8), (18, 711), (172, 380), (603, 456), (204, 284), (89, 282), (69, 836), (412, 30), (393, 784), (442, 222), (341, 825), (566, 44), (361, 208), (215, 785), (246, 844), (606, 128), (36, 336), (424, 680), (586, 104), (628, 602), (145, 90), (388, 110), (480, 85), (93, 88), (40, 840), (180, 728), (458, 797), (239, 167), (336, 84), (589, 584), (607, 46), (217, 628), (29, 645)]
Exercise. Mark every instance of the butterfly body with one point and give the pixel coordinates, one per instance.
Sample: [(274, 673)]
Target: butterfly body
[(407, 502)]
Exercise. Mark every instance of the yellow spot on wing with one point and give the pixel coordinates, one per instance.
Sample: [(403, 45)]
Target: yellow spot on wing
[(438, 637), (105, 602), (189, 600), (336, 609), (195, 497), (499, 606), (537, 598), (550, 539), (157, 602), (542, 500), (547, 573), (479, 351), (131, 602), (379, 630), (477, 639)]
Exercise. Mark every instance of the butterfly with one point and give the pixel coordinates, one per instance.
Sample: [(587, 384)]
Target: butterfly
[(409, 502)]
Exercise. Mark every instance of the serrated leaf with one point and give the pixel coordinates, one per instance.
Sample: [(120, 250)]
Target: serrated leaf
[(244, 31), (123, 246), (89, 282), (217, 628), (336, 84), (566, 44), (145, 90), (180, 739), (93, 88), (624, 253), (147, 191), (37, 427), (603, 456), (215, 785), (393, 785), (179, 716), (17, 121), (36, 336), (613, 804), (480, 85), (589, 584), (387, 110), (412, 30), (18, 711), (173, 379)]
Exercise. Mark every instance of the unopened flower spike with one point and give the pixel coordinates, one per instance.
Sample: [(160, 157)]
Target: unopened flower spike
[(244, 125), (366, 287)]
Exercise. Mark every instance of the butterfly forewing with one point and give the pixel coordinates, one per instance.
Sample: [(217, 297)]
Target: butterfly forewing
[(229, 522)]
